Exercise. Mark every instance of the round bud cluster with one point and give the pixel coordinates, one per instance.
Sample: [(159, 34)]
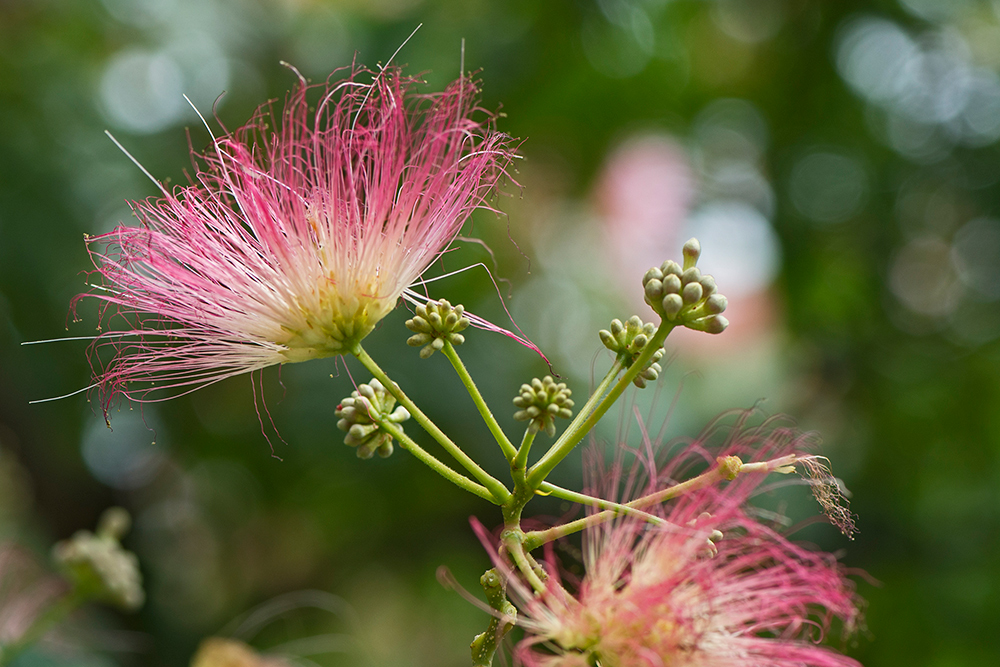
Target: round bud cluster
[(683, 295), (99, 567), (628, 340), (361, 415), (541, 402), (434, 323)]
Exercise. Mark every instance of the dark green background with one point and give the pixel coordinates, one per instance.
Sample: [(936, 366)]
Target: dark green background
[(908, 400)]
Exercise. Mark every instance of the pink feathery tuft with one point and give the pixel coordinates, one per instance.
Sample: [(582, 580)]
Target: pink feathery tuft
[(712, 584), (299, 233)]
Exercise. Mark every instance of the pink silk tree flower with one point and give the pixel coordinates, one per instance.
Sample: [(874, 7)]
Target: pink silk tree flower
[(708, 584), (299, 233)]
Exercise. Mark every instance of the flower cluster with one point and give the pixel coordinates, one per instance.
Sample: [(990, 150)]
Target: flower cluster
[(708, 583), (300, 232)]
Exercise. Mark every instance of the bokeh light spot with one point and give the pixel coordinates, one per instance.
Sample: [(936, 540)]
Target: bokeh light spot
[(828, 187), (742, 249), (922, 277), (976, 253), (141, 91), (126, 456)]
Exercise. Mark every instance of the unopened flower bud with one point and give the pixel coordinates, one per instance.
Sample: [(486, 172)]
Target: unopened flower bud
[(671, 267), (617, 328), (672, 284), (708, 285), (716, 304), (114, 523), (652, 274), (691, 293), (691, 275), (672, 304), (692, 250), (713, 324), (653, 289), (607, 339)]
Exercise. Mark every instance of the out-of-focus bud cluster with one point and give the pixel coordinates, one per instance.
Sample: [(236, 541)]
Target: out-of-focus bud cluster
[(222, 652), (628, 341), (541, 402), (681, 294), (97, 565), (361, 415), (710, 550), (435, 323)]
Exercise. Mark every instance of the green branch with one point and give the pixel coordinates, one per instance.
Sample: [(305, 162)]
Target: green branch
[(520, 462), (505, 444), (407, 443), (495, 487), (596, 407), (618, 509), (537, 538)]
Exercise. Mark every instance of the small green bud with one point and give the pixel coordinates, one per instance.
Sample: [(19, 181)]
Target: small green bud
[(419, 339), (653, 274), (672, 284), (671, 305), (654, 289), (691, 251), (671, 267), (716, 304), (713, 324), (114, 523), (708, 285), (691, 275), (692, 293), (607, 339)]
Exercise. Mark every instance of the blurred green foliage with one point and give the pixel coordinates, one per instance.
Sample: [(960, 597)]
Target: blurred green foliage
[(877, 173)]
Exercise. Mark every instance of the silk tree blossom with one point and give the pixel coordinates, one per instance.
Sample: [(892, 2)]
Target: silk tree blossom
[(709, 583), (299, 233)]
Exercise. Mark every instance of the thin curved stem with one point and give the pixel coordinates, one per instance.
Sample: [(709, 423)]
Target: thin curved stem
[(517, 552), (596, 406), (497, 490), (537, 538), (456, 478), (520, 463), (618, 509), (48, 619), (505, 444)]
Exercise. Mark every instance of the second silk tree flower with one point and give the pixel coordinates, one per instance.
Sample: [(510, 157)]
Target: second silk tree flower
[(300, 232)]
